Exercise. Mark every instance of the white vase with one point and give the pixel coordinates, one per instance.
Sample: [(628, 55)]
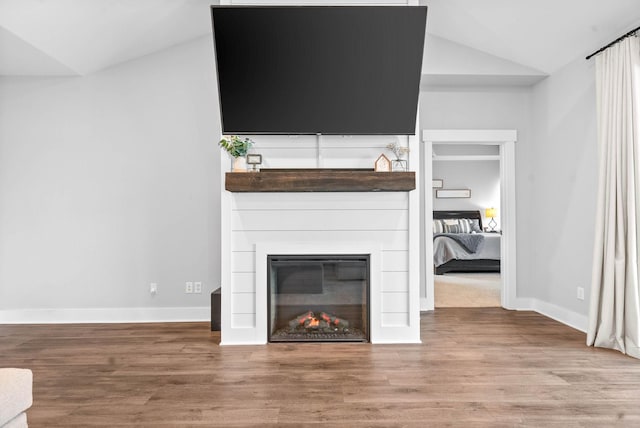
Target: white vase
[(239, 164)]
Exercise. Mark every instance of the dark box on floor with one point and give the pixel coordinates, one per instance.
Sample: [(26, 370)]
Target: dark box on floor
[(215, 310)]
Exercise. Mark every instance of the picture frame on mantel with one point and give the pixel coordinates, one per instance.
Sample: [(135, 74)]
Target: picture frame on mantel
[(254, 160), (453, 193)]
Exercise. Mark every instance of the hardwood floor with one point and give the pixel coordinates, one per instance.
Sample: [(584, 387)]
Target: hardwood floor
[(476, 367)]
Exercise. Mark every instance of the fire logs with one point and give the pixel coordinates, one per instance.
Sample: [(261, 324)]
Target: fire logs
[(323, 322), (334, 321), (300, 320), (318, 327)]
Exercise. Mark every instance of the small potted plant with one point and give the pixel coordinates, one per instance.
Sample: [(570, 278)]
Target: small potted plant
[(237, 148)]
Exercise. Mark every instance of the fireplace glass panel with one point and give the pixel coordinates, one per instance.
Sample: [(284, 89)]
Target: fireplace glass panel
[(318, 298)]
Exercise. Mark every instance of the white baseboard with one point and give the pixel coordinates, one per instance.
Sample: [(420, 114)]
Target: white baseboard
[(104, 315), (572, 319), (555, 312), (424, 305), (171, 314), (560, 314)]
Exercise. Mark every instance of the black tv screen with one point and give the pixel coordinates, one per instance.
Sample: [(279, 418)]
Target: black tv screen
[(336, 70)]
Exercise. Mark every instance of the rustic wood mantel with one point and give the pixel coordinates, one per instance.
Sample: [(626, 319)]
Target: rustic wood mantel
[(320, 180)]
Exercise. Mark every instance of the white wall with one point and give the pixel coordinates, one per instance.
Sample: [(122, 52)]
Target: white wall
[(476, 108), (556, 177), (562, 175), (481, 177), (490, 108), (109, 182)]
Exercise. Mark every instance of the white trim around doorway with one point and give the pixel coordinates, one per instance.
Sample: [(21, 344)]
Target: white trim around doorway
[(506, 140)]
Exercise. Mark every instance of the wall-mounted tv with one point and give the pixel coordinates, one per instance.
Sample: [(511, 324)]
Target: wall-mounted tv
[(334, 70)]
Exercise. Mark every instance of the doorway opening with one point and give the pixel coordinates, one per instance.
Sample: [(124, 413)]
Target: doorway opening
[(495, 207), (466, 225)]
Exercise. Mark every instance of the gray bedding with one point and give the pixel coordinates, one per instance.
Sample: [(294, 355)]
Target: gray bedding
[(468, 241), (446, 249)]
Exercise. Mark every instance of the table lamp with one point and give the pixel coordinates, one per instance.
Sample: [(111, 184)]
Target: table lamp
[(491, 214)]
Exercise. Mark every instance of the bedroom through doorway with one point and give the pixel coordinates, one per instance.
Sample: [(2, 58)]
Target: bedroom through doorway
[(469, 218), (466, 225)]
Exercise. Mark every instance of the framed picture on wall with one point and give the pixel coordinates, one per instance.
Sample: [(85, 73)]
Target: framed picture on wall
[(437, 183), (453, 193)]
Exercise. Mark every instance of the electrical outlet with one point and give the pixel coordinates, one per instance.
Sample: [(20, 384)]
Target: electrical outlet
[(197, 287), (153, 288), (188, 287), (580, 293)]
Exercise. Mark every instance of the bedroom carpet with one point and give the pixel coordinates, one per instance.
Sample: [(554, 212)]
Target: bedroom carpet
[(467, 290)]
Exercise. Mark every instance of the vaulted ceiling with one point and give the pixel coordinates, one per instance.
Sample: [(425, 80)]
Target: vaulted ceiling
[(541, 34), (79, 37)]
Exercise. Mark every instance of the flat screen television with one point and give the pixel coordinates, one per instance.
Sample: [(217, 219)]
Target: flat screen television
[(334, 70)]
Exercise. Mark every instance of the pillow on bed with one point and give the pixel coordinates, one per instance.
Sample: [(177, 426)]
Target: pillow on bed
[(454, 228), (471, 224), (438, 226), (459, 225)]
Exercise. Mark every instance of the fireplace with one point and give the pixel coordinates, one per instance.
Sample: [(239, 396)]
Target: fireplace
[(318, 298), (316, 226)]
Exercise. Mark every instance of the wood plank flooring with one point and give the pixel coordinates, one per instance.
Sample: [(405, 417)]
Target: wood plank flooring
[(476, 367)]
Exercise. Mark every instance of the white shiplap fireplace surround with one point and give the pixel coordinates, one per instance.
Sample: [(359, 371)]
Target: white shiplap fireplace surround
[(383, 225)]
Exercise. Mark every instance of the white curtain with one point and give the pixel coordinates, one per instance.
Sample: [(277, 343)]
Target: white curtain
[(614, 315)]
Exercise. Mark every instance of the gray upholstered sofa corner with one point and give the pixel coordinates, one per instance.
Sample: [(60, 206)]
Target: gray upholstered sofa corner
[(15, 397)]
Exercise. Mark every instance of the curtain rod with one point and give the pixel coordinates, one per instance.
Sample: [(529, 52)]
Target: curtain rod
[(619, 39)]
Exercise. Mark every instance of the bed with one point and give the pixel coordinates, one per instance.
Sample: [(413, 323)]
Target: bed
[(449, 252)]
